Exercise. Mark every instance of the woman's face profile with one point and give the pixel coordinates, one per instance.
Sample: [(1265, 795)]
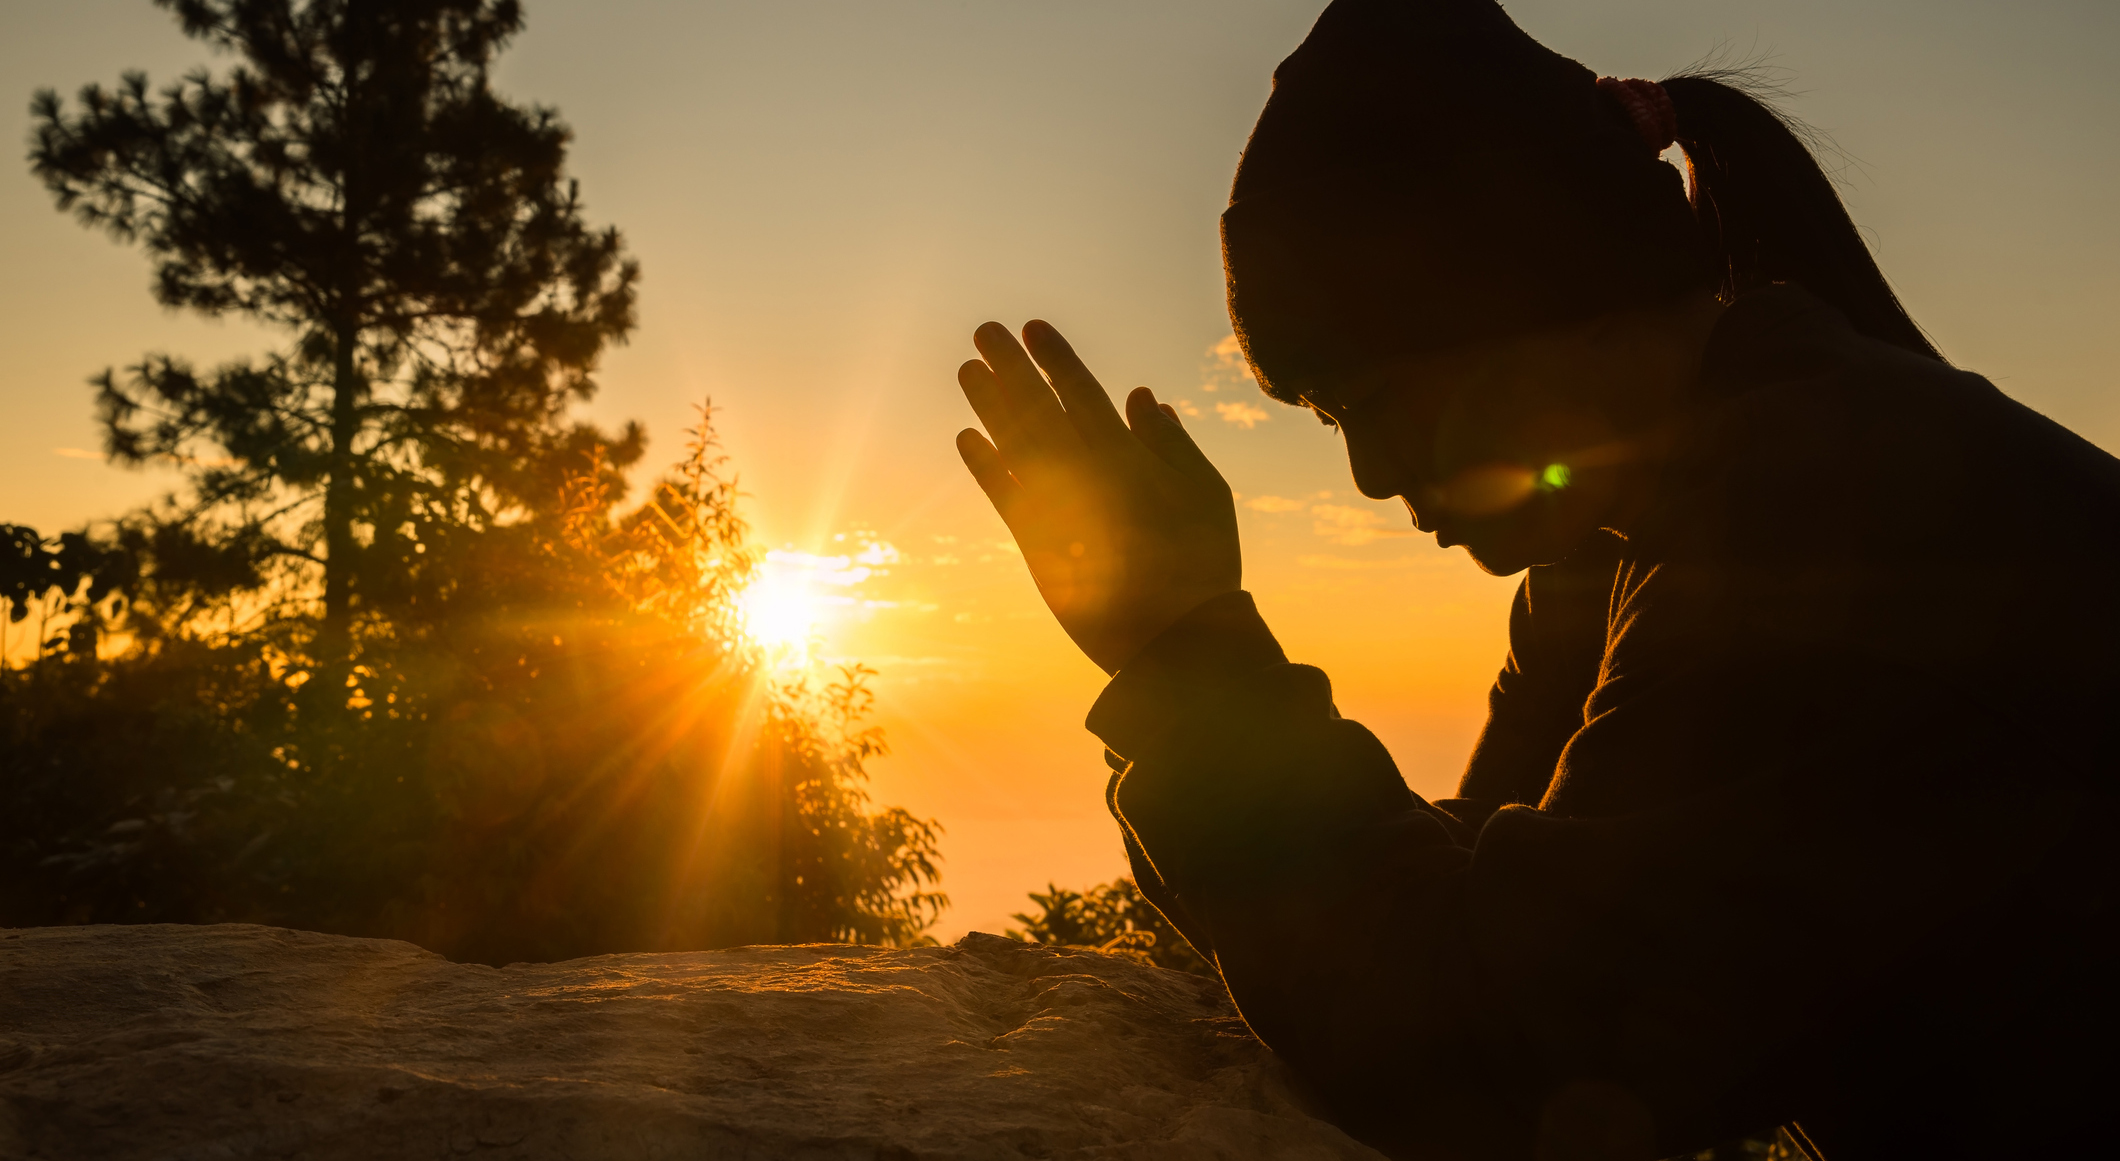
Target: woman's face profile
[(1504, 450), (1519, 448)]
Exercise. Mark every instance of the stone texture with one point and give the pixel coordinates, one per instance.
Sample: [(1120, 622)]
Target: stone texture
[(238, 1042)]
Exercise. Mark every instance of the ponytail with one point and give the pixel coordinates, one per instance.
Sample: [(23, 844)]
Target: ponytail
[(1770, 214)]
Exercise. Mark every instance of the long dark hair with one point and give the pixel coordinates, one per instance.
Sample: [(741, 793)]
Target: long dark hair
[(1769, 211)]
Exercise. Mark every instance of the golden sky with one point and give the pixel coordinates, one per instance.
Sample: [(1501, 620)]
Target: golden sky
[(828, 196)]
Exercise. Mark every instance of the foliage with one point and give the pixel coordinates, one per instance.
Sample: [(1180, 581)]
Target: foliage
[(354, 181), (560, 763), (1111, 917), (396, 661), (76, 574)]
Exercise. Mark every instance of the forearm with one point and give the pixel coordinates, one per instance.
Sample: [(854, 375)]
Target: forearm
[(1442, 993), (1283, 841)]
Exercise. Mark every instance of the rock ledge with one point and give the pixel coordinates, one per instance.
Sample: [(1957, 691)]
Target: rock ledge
[(239, 1042)]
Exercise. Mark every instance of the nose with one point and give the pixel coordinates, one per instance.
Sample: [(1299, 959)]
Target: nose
[(1380, 474), (1377, 473)]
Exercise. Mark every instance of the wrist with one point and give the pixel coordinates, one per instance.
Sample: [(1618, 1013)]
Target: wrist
[(1148, 629), (1219, 631), (1216, 645)]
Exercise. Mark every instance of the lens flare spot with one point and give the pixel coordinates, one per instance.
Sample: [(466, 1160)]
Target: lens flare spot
[(1488, 490), (1554, 478)]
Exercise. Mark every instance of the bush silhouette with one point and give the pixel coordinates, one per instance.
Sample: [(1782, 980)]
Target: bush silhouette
[(1110, 917)]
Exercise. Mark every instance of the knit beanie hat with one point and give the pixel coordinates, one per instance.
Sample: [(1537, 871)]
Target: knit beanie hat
[(1426, 175)]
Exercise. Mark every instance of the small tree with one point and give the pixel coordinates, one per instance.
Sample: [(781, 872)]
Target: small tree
[(1112, 917), (69, 577), (354, 181), (479, 705), (581, 755)]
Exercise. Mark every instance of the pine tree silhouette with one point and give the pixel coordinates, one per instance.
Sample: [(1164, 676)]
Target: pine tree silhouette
[(353, 180)]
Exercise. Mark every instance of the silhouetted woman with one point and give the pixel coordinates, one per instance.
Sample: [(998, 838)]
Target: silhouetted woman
[(1794, 797)]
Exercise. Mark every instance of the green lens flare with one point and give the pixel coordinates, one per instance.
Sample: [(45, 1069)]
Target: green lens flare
[(1554, 478)]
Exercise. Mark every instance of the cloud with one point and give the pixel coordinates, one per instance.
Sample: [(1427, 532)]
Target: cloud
[(1348, 563), (1273, 504), (1185, 407), (1228, 354), (75, 453), (1352, 527), (1225, 366), (1244, 415), (789, 566)]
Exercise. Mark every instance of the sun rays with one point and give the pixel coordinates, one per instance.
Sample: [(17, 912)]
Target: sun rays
[(793, 607)]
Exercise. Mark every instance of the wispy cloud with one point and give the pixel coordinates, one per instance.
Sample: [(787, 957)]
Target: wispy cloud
[(1353, 527), (1244, 415), (76, 453), (1225, 367), (878, 552), (1274, 504), (1350, 564)]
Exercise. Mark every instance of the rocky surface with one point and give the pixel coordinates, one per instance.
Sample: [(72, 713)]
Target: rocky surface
[(239, 1042)]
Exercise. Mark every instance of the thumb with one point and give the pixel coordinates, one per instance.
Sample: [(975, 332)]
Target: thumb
[(1156, 426)]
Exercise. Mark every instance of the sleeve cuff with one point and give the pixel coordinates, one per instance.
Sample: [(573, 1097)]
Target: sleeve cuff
[(1208, 650)]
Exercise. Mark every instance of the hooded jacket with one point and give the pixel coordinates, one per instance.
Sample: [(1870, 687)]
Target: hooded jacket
[(1792, 806)]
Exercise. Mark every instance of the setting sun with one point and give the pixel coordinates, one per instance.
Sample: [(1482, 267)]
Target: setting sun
[(797, 597), (780, 613)]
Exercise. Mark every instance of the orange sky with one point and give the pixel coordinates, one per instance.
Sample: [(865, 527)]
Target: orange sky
[(828, 197)]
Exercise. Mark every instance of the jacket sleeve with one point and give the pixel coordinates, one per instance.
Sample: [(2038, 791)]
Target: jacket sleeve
[(1556, 640), (1488, 994)]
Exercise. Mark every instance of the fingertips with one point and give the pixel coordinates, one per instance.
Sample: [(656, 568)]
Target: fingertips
[(1039, 333), (996, 343), (982, 389), (1142, 407), (1050, 349), (1156, 425), (973, 446), (986, 465)]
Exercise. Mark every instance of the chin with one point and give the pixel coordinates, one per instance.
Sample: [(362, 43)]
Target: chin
[(1544, 529), (1528, 538), (1496, 562)]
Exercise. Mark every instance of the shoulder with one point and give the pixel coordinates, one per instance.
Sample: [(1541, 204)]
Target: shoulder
[(1837, 497), (1811, 439)]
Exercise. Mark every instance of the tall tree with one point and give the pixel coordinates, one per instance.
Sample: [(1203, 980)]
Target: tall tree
[(544, 734), (354, 180)]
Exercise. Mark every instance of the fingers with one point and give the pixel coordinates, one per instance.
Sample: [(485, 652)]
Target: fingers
[(1087, 403), (988, 469), (1156, 426), (989, 401), (1012, 398)]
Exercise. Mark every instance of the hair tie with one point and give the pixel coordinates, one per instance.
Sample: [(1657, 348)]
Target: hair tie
[(1646, 102)]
